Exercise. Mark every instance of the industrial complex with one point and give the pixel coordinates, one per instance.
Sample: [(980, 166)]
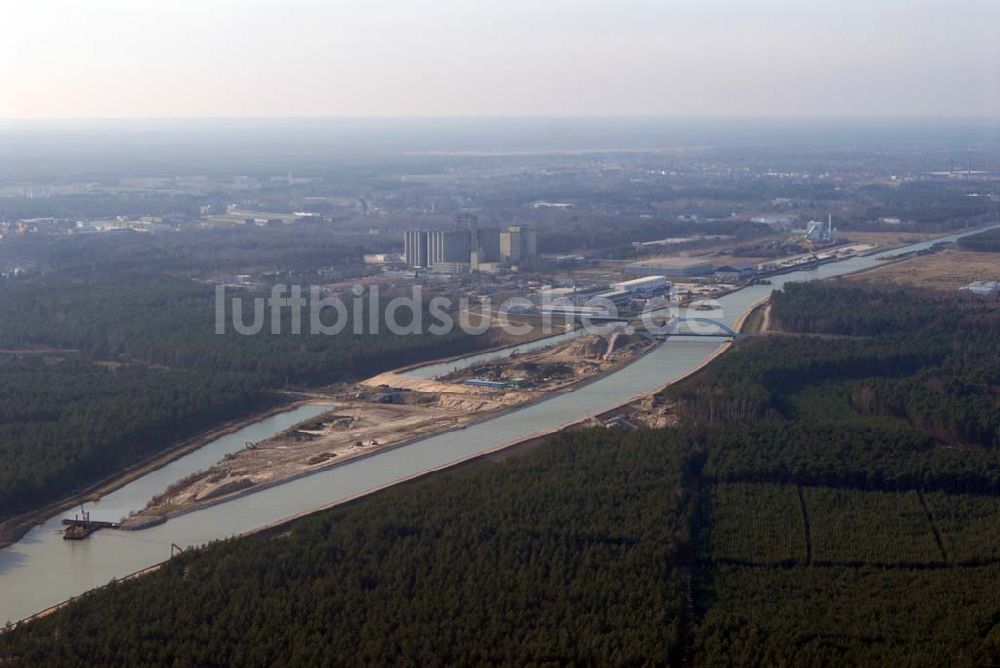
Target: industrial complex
[(468, 248)]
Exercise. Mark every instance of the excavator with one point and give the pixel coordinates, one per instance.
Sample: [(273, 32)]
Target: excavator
[(807, 242)]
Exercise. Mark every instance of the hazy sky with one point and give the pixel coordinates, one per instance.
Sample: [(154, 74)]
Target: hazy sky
[(171, 58)]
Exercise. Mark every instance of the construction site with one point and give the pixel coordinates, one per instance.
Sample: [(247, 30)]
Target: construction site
[(393, 409)]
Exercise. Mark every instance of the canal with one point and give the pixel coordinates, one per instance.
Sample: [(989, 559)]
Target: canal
[(42, 570)]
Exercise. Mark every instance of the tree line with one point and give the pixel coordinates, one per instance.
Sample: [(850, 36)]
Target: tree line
[(581, 549), (137, 365)]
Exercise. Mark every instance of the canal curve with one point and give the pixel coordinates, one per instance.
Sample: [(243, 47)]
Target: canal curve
[(42, 570)]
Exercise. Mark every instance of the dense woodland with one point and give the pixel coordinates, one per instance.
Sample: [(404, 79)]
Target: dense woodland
[(789, 518), (564, 552), (67, 421), (172, 323), (892, 388), (103, 369)]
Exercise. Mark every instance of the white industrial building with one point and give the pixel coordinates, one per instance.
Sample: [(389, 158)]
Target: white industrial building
[(645, 287)]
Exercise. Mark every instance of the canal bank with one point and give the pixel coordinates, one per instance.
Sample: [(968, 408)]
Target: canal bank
[(14, 528), (40, 571)]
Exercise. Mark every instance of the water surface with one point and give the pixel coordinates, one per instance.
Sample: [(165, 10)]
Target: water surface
[(42, 569)]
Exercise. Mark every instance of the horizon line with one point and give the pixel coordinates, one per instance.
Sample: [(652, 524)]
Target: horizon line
[(506, 117)]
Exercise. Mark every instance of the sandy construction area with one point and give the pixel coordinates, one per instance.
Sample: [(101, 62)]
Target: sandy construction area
[(388, 410)]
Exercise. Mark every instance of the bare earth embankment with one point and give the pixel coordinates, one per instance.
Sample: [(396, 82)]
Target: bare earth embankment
[(389, 410)]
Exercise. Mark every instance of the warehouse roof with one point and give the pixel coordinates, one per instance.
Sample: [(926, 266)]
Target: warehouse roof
[(670, 262)]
